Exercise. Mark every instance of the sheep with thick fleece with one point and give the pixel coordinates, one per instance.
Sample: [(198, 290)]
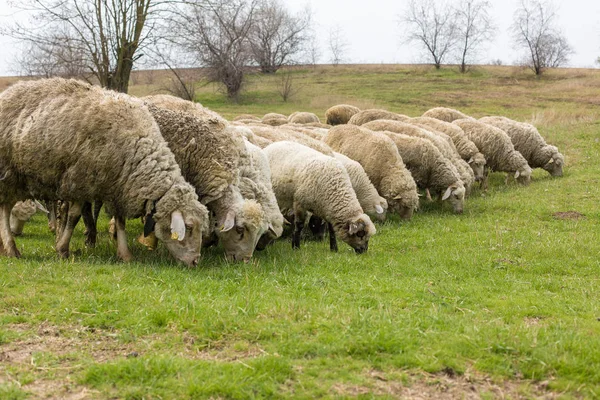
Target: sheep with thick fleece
[(185, 106), (380, 159), (445, 114), (440, 140), (315, 133), (497, 148), (430, 169), (209, 155), (274, 119), (371, 202), (302, 117), (279, 134), (305, 180), (64, 139), (464, 146), (248, 117), (255, 183), (528, 141), (374, 114), (340, 114)]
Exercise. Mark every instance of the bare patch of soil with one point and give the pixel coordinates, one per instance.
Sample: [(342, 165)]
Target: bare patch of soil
[(568, 215)]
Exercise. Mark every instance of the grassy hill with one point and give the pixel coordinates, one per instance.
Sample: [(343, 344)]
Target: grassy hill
[(499, 302)]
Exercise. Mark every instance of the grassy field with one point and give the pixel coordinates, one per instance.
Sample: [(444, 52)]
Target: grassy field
[(500, 302)]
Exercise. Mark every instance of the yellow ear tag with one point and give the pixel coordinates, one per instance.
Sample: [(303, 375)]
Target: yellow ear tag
[(174, 236)]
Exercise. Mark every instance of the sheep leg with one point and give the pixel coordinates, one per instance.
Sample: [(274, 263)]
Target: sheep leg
[(332, 240), (428, 194), (90, 224), (62, 210), (96, 211), (51, 206), (122, 250), (70, 222), (16, 226), (9, 247), (298, 226)]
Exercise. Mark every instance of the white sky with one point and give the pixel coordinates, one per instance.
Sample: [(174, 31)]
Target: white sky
[(372, 30)]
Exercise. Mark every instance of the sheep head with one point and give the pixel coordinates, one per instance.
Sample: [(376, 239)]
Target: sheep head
[(555, 165), (241, 229), (455, 194), (357, 233), (477, 164)]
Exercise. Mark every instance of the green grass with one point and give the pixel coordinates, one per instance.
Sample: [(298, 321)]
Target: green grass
[(505, 293)]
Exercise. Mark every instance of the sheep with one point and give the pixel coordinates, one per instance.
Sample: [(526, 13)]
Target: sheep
[(178, 104), (497, 148), (373, 114), (445, 114), (305, 180), (21, 213), (340, 114), (303, 118), (55, 134), (430, 169), (255, 183), (315, 133), (528, 141), (465, 147), (278, 134), (371, 202), (440, 140), (274, 119), (249, 117), (380, 159)]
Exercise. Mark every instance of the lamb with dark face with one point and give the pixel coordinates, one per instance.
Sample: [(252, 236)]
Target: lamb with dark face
[(305, 180)]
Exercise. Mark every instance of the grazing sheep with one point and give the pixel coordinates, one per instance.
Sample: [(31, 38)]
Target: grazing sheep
[(303, 118), (528, 141), (305, 180), (430, 169), (185, 106), (374, 114), (279, 134), (465, 147), (55, 134), (497, 148), (371, 202), (315, 133), (379, 156), (340, 114), (249, 117), (21, 213), (440, 140), (274, 119), (255, 183), (445, 114)]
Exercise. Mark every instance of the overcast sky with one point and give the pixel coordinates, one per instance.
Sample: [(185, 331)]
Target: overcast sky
[(373, 31)]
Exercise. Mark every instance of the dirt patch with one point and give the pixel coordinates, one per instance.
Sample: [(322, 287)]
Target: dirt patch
[(444, 386), (568, 215), (225, 351)]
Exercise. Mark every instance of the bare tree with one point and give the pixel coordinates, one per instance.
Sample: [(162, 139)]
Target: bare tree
[(277, 36), (287, 86), (337, 45), (313, 51), (535, 30), (431, 26), (106, 37), (474, 27), (217, 34)]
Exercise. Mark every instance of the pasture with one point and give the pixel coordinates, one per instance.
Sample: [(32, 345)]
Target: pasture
[(502, 301)]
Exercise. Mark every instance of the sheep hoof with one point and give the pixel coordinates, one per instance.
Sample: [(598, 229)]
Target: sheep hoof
[(63, 253), (126, 256)]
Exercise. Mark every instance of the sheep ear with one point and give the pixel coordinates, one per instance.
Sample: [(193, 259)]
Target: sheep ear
[(517, 174), (286, 222), (353, 228), (378, 209), (470, 160), (41, 207), (551, 161), (229, 221), (398, 198), (447, 193), (177, 226), (272, 230)]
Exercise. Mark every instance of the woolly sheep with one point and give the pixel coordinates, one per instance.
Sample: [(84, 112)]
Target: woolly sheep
[(340, 114), (445, 114), (246, 117), (278, 134), (274, 119), (430, 169), (178, 104), (305, 180), (371, 202), (528, 141), (312, 132), (55, 134), (303, 118), (497, 149), (380, 159), (465, 147), (373, 114), (21, 213), (440, 140)]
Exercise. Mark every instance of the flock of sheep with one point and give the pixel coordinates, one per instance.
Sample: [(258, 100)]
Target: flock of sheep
[(197, 179)]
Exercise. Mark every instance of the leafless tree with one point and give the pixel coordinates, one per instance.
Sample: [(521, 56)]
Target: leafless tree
[(287, 86), (47, 60), (106, 37), (217, 33), (337, 45), (277, 36), (474, 27), (313, 53), (431, 26), (535, 30)]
